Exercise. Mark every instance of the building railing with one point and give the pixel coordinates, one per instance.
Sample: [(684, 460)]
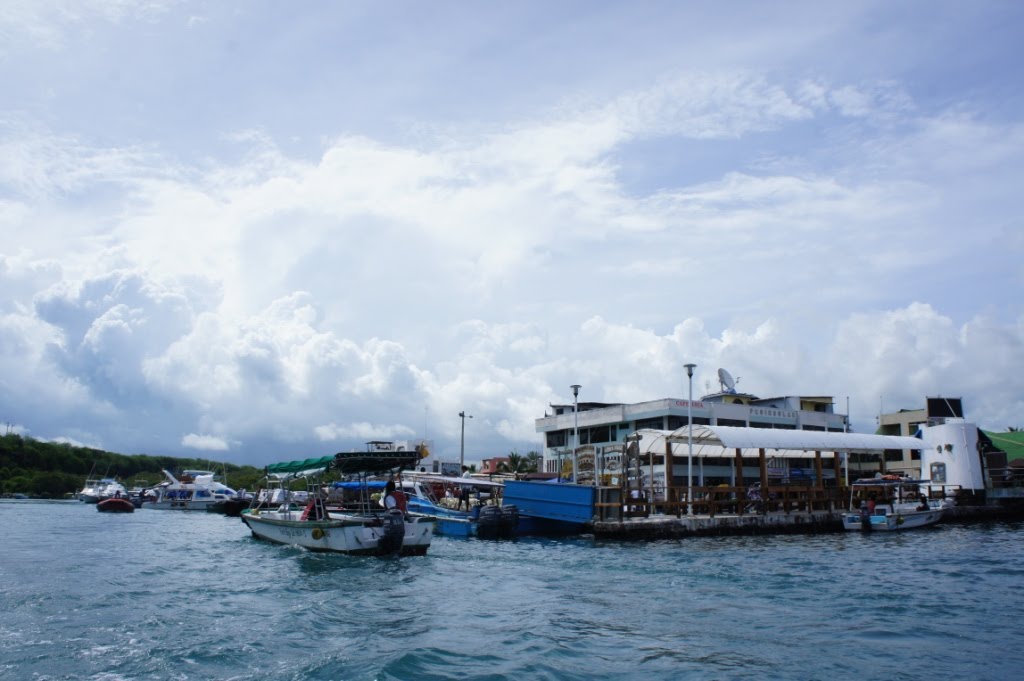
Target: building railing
[(738, 500)]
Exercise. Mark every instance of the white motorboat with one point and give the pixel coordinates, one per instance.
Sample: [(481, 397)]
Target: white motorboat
[(889, 505), (363, 527), (96, 490), (193, 491)]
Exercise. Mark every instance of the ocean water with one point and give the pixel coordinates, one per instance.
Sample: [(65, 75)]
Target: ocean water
[(171, 595)]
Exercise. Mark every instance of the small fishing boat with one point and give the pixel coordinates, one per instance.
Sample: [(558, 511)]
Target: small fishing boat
[(361, 526), (115, 504), (890, 504), (443, 496)]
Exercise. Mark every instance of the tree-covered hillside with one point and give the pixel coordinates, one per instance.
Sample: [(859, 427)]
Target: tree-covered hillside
[(54, 470)]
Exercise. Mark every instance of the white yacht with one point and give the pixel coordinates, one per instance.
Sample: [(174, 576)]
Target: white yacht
[(193, 491), (96, 490)]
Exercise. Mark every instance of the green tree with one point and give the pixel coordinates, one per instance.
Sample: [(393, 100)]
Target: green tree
[(519, 464), (533, 461)]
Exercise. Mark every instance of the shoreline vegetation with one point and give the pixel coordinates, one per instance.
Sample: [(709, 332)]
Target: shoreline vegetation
[(56, 470)]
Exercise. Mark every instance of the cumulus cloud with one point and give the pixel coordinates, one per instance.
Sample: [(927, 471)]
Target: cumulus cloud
[(332, 432), (210, 443), (805, 230)]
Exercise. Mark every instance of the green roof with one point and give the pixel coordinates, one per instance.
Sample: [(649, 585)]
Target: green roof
[(1011, 443)]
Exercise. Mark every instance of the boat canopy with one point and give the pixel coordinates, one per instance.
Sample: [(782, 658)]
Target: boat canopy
[(457, 481), (713, 441), (360, 484), (301, 467), (347, 463), (888, 482)]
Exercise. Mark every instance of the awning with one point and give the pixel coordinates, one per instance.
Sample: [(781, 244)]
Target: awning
[(715, 441), (456, 481), (300, 467), (347, 463)]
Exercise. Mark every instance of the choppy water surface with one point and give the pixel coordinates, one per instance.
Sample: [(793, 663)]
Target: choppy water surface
[(170, 595)]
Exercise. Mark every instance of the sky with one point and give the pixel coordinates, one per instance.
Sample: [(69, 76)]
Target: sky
[(257, 231)]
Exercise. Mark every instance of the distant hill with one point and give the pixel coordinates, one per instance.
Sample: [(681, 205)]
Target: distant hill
[(1012, 443), (54, 470)]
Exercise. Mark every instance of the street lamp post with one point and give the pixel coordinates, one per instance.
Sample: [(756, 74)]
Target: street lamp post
[(462, 441), (689, 443), (575, 430)]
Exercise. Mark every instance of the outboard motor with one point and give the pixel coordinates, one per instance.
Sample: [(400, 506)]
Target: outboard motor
[(489, 524), (509, 522), (392, 533), (865, 518)]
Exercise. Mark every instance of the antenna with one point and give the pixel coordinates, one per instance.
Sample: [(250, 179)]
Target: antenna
[(727, 381)]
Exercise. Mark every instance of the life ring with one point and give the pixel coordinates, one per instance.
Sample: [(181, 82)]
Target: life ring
[(318, 533)]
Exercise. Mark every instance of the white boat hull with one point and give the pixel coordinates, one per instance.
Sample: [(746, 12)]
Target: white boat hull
[(182, 505), (893, 521), (340, 534)]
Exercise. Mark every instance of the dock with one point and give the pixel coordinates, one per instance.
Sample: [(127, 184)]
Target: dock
[(656, 527), (672, 527)]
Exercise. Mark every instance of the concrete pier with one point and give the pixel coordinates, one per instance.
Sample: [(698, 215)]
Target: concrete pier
[(671, 527), (794, 522)]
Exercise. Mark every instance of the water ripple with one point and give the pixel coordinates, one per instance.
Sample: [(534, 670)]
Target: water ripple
[(162, 595)]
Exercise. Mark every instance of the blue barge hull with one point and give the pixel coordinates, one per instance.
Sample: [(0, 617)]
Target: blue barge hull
[(550, 508)]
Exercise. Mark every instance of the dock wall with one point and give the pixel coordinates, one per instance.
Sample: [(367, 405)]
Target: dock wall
[(670, 527), (817, 522)]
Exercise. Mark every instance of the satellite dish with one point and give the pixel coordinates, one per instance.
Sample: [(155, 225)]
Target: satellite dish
[(725, 378)]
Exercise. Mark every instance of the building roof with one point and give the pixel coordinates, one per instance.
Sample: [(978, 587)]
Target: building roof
[(788, 442)]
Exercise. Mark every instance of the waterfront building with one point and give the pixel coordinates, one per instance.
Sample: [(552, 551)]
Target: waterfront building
[(604, 427), (908, 422)]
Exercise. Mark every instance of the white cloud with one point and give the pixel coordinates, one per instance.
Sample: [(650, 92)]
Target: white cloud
[(332, 432), (774, 211), (209, 443)]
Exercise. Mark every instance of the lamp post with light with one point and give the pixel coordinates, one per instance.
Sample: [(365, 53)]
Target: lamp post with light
[(575, 429), (689, 443), (462, 441)]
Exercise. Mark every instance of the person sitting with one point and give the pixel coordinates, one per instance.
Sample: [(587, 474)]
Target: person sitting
[(924, 504)]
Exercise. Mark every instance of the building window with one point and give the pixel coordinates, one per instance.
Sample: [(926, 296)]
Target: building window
[(657, 423), (556, 438), (893, 455), (731, 422), (598, 434)]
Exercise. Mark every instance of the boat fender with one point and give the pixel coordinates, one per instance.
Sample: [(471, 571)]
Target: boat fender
[(318, 533)]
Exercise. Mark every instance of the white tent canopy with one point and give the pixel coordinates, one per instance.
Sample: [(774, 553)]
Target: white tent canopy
[(719, 441)]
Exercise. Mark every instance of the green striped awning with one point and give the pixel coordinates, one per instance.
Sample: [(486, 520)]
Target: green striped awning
[(347, 463), (299, 467)]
